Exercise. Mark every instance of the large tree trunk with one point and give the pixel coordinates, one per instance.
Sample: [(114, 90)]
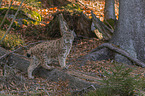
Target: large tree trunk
[(129, 35), (109, 11), (130, 32)]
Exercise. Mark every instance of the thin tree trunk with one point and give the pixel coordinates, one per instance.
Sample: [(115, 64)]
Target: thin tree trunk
[(109, 11)]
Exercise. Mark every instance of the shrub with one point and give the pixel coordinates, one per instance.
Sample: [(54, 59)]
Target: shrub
[(11, 41), (117, 82), (35, 15)]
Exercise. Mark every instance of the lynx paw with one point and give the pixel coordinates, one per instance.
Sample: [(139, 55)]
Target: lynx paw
[(31, 77), (66, 67)]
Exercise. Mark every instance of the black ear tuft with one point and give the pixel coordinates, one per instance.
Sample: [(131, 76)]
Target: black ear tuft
[(28, 55)]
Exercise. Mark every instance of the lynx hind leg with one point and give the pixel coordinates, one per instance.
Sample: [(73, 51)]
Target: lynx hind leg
[(33, 64), (46, 61)]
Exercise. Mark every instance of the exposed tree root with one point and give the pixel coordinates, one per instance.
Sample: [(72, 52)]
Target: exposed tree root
[(117, 50)]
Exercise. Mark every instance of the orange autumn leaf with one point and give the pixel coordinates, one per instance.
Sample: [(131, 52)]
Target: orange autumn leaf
[(45, 13), (42, 24), (55, 8), (47, 22), (50, 8), (88, 11)]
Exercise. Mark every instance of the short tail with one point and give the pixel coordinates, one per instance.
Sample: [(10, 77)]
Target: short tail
[(28, 55)]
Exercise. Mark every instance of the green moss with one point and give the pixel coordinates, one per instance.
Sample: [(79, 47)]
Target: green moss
[(72, 7), (11, 41)]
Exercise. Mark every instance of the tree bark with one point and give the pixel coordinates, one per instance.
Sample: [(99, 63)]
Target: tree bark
[(130, 32), (109, 12)]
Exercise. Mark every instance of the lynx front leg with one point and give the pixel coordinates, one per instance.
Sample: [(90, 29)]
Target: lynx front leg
[(45, 61), (33, 64), (62, 58), (62, 61)]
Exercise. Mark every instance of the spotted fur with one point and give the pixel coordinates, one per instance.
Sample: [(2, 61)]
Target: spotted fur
[(43, 53)]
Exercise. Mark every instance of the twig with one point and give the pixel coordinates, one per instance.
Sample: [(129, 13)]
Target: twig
[(6, 14), (11, 22)]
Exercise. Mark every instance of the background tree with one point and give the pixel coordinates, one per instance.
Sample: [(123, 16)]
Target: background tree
[(130, 32), (109, 12), (129, 36)]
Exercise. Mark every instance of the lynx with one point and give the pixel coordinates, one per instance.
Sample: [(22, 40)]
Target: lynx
[(45, 52)]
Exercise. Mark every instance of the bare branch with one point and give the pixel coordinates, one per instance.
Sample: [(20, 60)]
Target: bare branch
[(6, 14)]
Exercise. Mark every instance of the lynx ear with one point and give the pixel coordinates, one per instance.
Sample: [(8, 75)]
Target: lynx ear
[(74, 34), (63, 24)]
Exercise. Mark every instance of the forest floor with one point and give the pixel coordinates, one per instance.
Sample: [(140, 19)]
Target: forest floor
[(19, 84)]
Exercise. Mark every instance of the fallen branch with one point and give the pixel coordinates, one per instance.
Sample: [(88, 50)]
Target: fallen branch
[(120, 51)]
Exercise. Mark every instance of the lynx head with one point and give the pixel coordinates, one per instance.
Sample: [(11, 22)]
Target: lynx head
[(67, 34), (68, 37)]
